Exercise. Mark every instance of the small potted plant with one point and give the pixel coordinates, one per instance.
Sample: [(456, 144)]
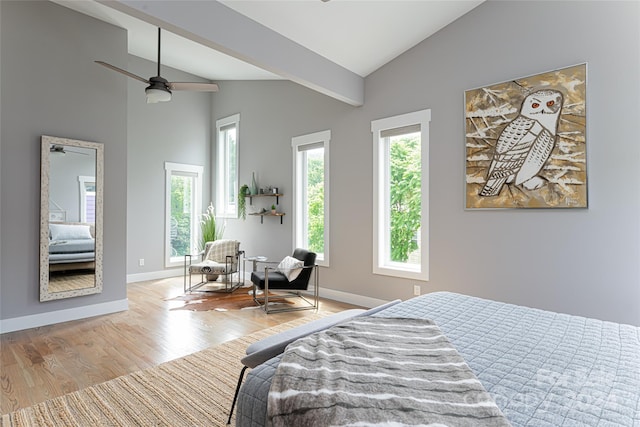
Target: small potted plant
[(273, 209), (242, 201)]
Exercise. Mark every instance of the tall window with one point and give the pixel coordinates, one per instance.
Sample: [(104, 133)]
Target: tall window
[(311, 193), (227, 167), (87, 198), (401, 186), (183, 204)]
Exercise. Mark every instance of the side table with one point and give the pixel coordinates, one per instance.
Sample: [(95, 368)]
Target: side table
[(255, 259)]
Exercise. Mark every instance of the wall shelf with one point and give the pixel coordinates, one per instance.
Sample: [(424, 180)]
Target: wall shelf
[(276, 195), (268, 213)]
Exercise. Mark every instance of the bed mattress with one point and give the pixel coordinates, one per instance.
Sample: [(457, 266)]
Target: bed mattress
[(542, 368), (71, 251)]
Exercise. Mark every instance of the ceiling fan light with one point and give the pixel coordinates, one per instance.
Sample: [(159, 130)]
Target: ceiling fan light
[(155, 95), (57, 151)]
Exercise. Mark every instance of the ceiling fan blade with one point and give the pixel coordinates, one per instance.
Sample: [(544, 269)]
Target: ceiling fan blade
[(120, 70), (193, 86)]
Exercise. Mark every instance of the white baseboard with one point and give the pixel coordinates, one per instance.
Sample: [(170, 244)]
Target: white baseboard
[(351, 298), (340, 296), (155, 275), (66, 315)]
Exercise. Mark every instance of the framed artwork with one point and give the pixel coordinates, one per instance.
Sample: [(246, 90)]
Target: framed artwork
[(526, 144)]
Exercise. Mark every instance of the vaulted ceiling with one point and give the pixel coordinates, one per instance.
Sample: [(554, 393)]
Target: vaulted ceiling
[(329, 46)]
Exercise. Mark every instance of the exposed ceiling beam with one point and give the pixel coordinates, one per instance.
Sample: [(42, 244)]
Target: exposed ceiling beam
[(219, 27)]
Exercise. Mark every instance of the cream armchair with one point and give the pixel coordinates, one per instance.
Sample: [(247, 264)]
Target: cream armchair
[(219, 258)]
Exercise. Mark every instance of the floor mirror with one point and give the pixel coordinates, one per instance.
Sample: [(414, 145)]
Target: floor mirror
[(71, 205)]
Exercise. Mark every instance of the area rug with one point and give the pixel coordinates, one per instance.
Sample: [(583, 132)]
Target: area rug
[(240, 299), (194, 390)]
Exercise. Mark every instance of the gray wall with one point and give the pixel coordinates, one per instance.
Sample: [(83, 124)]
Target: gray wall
[(178, 131), (51, 86), (577, 261), (271, 112)]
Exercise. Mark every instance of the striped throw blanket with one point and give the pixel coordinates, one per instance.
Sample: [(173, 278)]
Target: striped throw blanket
[(378, 371)]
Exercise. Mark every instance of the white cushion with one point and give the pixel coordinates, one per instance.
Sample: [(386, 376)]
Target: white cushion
[(69, 231), (210, 267), (290, 267)]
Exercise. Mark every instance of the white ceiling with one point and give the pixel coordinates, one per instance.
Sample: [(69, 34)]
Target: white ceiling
[(359, 35)]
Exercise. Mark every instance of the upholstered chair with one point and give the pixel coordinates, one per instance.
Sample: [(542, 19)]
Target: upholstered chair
[(219, 258), (293, 276)]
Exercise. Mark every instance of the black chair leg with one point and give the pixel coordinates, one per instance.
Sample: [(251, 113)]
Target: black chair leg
[(235, 397)]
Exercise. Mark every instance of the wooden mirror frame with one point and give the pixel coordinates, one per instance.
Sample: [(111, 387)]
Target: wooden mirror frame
[(45, 168)]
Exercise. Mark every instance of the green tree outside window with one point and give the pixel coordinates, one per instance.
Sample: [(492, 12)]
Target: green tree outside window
[(405, 194), (180, 215), (315, 198)]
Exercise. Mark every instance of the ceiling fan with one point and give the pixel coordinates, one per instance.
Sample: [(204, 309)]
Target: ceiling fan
[(159, 89), (60, 149)]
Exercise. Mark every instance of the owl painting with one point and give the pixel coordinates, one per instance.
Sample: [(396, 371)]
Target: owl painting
[(525, 144)]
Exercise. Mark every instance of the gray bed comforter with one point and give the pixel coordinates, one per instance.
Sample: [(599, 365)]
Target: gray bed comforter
[(542, 368)]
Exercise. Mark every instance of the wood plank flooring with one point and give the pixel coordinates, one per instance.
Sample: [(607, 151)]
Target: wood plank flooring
[(41, 363)]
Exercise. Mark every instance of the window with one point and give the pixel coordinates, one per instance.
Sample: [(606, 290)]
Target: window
[(87, 198), (183, 204), (400, 195), (227, 167), (311, 193)]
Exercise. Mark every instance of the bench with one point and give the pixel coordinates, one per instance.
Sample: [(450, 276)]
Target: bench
[(267, 348)]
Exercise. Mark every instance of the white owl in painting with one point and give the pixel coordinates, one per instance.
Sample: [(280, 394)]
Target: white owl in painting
[(524, 146)]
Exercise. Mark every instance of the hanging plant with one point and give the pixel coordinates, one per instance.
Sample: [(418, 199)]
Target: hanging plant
[(242, 201)]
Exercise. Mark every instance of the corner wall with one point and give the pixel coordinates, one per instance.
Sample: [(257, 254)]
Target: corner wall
[(271, 113), (178, 131)]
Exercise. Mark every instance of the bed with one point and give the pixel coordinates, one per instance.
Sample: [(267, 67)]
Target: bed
[(541, 368), (71, 246)]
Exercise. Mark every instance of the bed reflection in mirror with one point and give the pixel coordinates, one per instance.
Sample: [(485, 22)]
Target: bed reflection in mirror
[(70, 218)]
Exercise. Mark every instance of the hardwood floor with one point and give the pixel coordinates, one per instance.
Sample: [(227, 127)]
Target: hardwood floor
[(41, 363)]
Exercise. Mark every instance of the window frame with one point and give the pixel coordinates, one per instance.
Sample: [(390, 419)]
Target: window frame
[(224, 208), (83, 180), (196, 194), (299, 168), (381, 208)]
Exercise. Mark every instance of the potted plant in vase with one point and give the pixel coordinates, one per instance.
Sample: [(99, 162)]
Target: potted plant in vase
[(242, 201), (211, 230), (273, 209)]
